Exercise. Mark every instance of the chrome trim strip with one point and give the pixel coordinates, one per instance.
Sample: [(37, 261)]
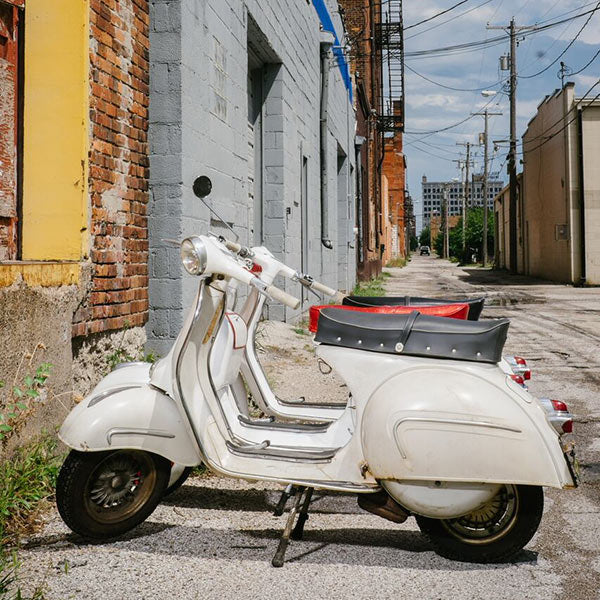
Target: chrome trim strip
[(278, 453), (136, 431), (271, 424), (106, 393), (448, 422)]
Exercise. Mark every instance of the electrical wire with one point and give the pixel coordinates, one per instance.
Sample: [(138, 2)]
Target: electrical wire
[(476, 45), (584, 66), (486, 87), (427, 133), (447, 21), (436, 15), (548, 138), (566, 49)]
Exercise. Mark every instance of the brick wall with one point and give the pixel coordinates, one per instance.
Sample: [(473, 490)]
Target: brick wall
[(118, 173)]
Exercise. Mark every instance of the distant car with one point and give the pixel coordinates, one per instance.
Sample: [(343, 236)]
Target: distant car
[(425, 250)]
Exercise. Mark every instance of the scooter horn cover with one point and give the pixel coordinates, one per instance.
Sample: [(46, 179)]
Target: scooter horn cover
[(452, 311), (414, 334)]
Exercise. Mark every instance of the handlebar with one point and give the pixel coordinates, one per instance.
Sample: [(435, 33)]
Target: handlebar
[(306, 280), (275, 293)]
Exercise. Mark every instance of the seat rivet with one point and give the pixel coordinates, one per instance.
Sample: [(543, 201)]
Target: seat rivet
[(453, 350), (339, 339), (360, 341), (479, 354), (428, 348), (381, 345), (399, 347)]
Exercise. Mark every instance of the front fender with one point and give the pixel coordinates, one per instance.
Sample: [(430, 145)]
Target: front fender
[(134, 416)]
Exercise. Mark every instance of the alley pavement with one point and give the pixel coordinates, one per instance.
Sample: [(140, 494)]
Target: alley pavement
[(215, 537)]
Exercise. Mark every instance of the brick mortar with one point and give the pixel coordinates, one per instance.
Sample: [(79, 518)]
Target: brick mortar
[(119, 167)]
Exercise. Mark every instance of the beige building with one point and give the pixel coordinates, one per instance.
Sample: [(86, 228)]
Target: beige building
[(558, 220)]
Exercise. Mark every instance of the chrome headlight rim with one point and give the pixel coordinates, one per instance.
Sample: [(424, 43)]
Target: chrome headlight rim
[(193, 255)]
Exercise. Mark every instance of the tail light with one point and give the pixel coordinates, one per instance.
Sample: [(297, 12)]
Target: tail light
[(256, 268), (519, 366), (558, 415), (517, 379)]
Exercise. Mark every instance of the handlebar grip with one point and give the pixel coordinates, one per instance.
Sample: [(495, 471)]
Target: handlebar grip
[(233, 246), (319, 287), (282, 296)]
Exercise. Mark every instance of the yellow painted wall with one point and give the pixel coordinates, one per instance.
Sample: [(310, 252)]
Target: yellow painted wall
[(56, 136)]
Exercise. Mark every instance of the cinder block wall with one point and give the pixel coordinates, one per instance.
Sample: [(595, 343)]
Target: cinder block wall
[(199, 125)]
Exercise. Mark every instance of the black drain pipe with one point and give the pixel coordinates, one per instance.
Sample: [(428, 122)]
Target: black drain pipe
[(582, 277)]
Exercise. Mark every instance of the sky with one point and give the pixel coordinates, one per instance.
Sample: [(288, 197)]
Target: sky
[(431, 107)]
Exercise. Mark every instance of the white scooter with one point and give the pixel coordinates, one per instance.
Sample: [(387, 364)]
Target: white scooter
[(434, 428)]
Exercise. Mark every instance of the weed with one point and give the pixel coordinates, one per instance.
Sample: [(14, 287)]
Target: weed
[(372, 287), (397, 262), (9, 579), (25, 480), (22, 395), (118, 356), (300, 331)]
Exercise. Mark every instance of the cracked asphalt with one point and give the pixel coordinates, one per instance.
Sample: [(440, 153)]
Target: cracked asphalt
[(214, 538)]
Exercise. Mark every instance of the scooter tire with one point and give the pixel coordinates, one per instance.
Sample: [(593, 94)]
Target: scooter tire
[(518, 510), (95, 504), (179, 481)]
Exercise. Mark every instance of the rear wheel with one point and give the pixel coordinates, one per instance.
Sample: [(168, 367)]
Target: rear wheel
[(101, 495), (494, 532)]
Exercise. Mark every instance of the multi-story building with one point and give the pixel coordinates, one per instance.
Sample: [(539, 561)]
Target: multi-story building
[(556, 224), (73, 187), (375, 39), (258, 96), (433, 194)]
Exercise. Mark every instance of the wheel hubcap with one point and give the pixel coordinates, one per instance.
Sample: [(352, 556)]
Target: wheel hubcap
[(120, 485), (488, 523)]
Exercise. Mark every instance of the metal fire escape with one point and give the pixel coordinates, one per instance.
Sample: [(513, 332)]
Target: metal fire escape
[(390, 42)]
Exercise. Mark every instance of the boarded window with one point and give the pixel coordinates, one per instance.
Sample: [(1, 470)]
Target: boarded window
[(9, 126)]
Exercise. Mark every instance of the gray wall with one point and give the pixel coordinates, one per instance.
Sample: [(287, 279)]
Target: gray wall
[(199, 125)]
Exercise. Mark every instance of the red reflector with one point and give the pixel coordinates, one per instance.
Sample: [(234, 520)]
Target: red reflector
[(567, 426), (256, 268), (520, 360), (517, 379), (526, 374), (559, 406)]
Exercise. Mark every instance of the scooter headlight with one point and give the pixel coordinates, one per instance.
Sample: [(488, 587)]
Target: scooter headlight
[(193, 255)]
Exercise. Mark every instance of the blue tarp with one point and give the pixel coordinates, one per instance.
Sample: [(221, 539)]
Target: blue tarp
[(338, 52)]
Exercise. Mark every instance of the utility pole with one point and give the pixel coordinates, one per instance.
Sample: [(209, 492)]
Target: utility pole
[(486, 113), (512, 29), (465, 201)]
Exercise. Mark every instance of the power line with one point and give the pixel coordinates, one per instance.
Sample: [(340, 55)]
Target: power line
[(566, 49), (476, 45), (584, 66), (486, 87), (447, 20), (436, 15)]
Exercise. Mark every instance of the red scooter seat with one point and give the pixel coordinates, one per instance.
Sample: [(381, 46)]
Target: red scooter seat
[(452, 311)]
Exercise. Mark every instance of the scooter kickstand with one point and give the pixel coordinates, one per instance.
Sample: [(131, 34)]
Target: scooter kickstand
[(285, 495), (285, 536), (298, 531)]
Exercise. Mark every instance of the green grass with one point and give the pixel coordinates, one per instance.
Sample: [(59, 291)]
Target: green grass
[(25, 480), (397, 262), (373, 287)]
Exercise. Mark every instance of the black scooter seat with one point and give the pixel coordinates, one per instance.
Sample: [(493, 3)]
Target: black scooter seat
[(414, 334)]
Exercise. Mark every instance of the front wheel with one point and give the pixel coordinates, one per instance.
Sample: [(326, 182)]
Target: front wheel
[(101, 495), (494, 532)]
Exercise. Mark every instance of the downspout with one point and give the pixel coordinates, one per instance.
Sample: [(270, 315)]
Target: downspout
[(582, 277), (327, 40)]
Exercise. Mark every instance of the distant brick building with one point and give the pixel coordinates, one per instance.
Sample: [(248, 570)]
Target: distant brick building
[(396, 205), (73, 222)]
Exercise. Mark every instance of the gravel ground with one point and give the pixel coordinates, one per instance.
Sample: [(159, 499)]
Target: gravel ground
[(215, 537)]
